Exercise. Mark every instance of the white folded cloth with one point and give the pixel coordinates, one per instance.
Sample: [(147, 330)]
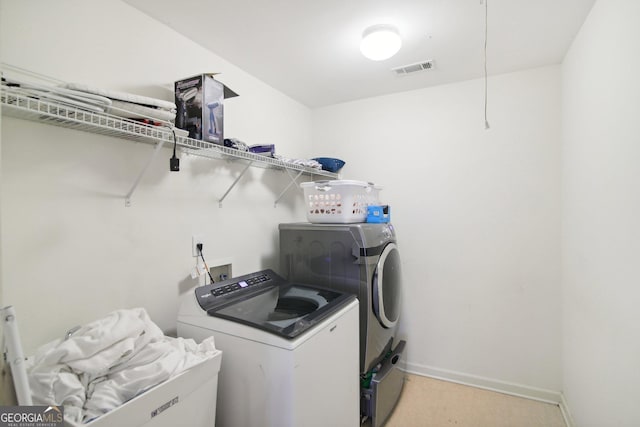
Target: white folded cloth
[(123, 96), (108, 362), (131, 110), (310, 163)]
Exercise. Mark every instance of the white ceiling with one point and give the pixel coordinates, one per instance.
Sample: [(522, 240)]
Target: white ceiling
[(309, 49)]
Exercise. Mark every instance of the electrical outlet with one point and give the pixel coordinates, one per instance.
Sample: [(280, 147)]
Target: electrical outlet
[(195, 240)]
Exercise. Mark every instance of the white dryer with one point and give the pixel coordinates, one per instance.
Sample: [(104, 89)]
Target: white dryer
[(290, 351)]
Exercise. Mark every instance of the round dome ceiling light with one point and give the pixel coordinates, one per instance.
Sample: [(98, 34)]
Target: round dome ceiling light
[(380, 42)]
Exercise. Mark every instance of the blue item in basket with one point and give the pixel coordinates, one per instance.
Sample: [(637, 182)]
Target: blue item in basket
[(330, 164), (378, 213)]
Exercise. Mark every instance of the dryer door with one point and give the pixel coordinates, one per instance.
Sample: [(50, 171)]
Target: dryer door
[(387, 287)]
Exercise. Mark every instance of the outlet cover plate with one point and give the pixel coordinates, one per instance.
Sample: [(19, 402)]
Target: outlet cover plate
[(195, 239)]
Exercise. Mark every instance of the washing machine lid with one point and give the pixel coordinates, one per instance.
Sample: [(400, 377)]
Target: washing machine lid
[(266, 301)]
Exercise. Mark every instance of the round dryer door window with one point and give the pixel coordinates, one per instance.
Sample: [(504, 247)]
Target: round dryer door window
[(387, 287)]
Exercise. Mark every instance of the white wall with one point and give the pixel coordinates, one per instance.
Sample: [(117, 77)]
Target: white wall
[(601, 218), (477, 214), (71, 250)]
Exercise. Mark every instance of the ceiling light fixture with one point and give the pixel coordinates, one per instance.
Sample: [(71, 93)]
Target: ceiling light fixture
[(380, 42)]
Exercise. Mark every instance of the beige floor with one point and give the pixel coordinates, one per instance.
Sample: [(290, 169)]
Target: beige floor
[(426, 402)]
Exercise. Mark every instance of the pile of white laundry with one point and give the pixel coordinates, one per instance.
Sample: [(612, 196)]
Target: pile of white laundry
[(108, 362)]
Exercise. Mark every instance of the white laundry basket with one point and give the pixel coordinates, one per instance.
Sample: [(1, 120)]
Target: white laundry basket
[(189, 398), (339, 201)]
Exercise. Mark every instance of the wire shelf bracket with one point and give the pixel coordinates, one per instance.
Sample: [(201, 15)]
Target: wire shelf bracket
[(127, 198), (294, 181), (233, 184)]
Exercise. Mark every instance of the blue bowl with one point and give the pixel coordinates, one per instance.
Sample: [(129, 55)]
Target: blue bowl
[(330, 164)]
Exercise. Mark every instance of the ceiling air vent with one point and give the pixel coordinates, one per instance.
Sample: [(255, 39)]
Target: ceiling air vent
[(414, 68)]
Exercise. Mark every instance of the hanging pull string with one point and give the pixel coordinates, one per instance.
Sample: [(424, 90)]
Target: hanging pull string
[(486, 26)]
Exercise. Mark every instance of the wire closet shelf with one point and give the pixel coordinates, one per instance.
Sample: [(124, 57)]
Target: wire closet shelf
[(25, 107)]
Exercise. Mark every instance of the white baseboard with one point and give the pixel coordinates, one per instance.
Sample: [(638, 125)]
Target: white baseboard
[(566, 413), (548, 396)]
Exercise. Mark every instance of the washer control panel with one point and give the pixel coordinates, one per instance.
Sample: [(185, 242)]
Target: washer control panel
[(232, 287), (218, 293)]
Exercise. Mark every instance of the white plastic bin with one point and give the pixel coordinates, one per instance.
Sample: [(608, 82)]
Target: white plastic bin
[(188, 399), (339, 201)]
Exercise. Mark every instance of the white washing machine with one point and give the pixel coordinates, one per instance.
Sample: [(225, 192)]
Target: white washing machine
[(290, 351)]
